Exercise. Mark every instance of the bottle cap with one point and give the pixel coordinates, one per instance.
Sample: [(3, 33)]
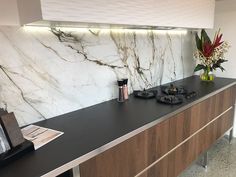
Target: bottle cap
[(120, 82), (125, 81)]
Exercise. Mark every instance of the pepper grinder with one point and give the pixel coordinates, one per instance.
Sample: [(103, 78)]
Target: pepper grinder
[(125, 89), (121, 93)]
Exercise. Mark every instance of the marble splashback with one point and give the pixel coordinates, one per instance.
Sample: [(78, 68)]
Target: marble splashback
[(47, 72)]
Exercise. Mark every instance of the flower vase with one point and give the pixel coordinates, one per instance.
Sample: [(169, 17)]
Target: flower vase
[(207, 75)]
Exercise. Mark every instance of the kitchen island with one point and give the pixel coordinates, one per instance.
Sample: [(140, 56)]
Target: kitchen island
[(136, 138)]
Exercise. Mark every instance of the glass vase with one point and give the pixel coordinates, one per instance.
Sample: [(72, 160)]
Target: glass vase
[(207, 75)]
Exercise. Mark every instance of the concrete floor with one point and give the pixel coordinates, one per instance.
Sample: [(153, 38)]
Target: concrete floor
[(222, 161)]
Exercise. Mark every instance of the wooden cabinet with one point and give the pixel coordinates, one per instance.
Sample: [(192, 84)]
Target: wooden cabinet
[(174, 163), (174, 143), (131, 156)]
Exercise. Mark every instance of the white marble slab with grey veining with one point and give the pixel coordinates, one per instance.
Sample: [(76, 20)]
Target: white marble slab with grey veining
[(48, 72)]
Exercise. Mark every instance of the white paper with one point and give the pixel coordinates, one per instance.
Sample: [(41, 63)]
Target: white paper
[(39, 135)]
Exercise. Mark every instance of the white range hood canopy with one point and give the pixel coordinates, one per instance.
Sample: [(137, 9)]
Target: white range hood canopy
[(144, 14)]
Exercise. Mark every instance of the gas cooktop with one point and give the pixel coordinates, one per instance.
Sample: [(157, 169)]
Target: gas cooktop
[(170, 94)]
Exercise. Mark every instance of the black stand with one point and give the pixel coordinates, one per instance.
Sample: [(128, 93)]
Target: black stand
[(16, 152), (68, 173)]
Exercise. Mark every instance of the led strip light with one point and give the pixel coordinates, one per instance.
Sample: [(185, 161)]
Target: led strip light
[(28, 28)]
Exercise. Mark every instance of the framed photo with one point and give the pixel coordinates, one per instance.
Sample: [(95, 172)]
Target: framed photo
[(4, 145)]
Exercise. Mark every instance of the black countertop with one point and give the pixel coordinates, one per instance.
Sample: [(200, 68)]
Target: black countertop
[(90, 131)]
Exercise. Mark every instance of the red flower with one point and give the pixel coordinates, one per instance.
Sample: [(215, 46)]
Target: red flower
[(218, 41), (208, 48)]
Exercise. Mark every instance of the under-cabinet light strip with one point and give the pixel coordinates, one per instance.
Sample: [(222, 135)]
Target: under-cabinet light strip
[(154, 163), (106, 30)]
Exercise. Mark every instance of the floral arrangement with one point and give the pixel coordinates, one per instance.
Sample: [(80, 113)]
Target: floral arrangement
[(210, 53)]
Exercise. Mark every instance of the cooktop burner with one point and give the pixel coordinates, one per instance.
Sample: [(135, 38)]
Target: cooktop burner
[(173, 90), (145, 94), (190, 95), (169, 99)]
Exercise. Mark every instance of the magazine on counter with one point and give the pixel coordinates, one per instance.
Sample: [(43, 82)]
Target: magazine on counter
[(40, 135)]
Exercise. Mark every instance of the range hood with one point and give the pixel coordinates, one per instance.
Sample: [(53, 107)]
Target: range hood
[(143, 14)]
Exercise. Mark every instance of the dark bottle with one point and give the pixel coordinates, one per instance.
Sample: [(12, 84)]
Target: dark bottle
[(121, 93)]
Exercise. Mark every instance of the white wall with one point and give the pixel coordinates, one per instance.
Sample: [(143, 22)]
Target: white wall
[(225, 19), (8, 12)]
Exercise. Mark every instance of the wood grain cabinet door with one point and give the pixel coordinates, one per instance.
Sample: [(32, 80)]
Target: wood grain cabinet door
[(184, 155), (194, 118), (131, 156), (179, 159)]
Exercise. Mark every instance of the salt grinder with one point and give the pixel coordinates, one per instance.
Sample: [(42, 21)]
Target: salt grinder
[(121, 93), (125, 89)]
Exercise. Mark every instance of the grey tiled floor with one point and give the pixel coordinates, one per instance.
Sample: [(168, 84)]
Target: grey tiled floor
[(222, 162)]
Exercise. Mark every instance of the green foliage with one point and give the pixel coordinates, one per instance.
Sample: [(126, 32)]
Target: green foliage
[(199, 67), (201, 41), (198, 42), (205, 37), (218, 64)]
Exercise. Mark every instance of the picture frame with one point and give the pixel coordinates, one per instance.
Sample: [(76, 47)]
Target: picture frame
[(12, 130), (4, 144)]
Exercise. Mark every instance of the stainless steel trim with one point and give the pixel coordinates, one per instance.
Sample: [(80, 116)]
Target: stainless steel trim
[(119, 140), (205, 160), (231, 136), (182, 142), (231, 133)]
